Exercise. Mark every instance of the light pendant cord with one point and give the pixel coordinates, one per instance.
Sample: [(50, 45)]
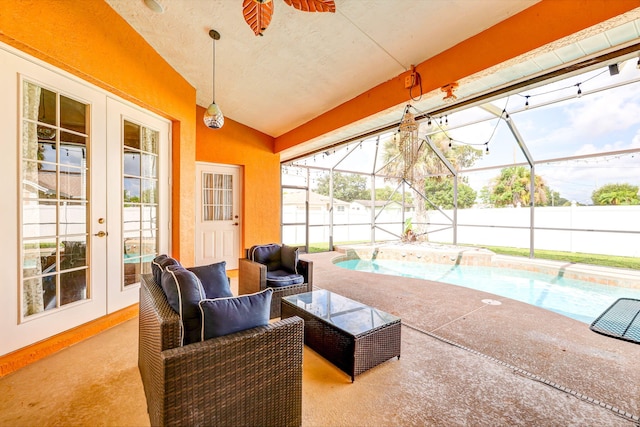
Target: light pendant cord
[(213, 73)]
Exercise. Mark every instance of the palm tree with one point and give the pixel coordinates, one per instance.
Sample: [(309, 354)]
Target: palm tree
[(512, 187), (427, 165)]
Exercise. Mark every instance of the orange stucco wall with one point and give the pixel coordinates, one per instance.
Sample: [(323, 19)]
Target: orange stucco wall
[(542, 23), (236, 144), (89, 39)]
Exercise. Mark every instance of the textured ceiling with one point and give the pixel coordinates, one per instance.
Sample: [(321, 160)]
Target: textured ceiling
[(306, 63)]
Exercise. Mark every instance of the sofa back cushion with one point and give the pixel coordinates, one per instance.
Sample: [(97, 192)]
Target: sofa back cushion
[(214, 279), (158, 265), (184, 291), (268, 255), (224, 316)]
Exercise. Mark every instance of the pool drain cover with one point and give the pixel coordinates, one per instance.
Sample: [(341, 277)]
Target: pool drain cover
[(491, 302)]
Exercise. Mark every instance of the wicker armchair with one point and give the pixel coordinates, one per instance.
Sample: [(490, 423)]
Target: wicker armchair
[(253, 377), (252, 277)]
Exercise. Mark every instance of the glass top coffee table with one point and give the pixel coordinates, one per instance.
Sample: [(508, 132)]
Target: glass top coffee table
[(351, 335)]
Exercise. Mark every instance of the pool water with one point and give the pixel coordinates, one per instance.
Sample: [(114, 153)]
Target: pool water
[(580, 300)]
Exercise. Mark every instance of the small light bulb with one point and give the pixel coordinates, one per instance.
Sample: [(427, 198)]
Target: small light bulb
[(526, 104), (579, 91)]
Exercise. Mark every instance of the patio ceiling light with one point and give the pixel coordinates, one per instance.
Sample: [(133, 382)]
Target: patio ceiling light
[(213, 117)]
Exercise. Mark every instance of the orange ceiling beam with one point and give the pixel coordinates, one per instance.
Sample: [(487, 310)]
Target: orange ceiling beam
[(540, 24)]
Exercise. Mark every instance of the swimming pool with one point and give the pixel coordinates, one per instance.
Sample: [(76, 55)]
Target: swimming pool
[(580, 300)]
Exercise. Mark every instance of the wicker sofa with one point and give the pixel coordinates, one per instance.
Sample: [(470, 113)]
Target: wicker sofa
[(249, 378), (253, 277)]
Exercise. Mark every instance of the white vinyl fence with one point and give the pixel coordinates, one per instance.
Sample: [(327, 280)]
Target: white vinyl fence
[(491, 227)]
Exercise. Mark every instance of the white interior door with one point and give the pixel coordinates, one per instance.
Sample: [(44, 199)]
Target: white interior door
[(218, 214), (86, 204)]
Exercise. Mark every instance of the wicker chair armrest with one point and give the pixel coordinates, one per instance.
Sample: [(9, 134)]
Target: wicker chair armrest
[(252, 276), (253, 377), (305, 268)]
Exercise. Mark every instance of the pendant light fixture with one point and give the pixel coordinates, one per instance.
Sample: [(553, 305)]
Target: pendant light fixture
[(213, 117)]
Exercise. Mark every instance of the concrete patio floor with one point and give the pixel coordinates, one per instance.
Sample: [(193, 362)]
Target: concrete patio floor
[(463, 363)]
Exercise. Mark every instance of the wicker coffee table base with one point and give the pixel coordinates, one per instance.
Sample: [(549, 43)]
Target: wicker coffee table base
[(352, 354)]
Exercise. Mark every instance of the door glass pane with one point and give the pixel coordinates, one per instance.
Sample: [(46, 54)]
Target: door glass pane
[(131, 135), (217, 197), (73, 149), (54, 200), (73, 183), (140, 200), (131, 159), (73, 115), (207, 196), (73, 286), (149, 191), (38, 219)]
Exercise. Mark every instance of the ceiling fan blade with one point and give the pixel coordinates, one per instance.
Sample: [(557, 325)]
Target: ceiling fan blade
[(257, 15), (313, 5)]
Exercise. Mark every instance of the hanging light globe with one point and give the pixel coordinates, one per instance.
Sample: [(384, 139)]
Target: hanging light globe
[(213, 117)]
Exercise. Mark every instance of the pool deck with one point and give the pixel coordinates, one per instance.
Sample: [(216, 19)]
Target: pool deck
[(466, 362)]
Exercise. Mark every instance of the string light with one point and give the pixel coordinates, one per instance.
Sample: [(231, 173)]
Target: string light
[(578, 85), (486, 149)]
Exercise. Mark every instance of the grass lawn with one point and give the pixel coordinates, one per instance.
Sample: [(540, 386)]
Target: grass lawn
[(596, 259)]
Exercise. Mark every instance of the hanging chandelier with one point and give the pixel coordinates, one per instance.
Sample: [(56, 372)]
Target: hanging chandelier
[(408, 143), (213, 117)]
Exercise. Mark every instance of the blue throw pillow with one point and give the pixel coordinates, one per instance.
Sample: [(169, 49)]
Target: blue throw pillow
[(214, 279), (224, 316), (184, 291), (268, 255)]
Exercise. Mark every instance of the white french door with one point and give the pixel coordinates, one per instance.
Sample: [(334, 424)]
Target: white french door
[(218, 214), (138, 168), (63, 167)]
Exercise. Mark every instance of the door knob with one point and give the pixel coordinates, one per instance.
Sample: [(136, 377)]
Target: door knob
[(235, 223), (100, 234)]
